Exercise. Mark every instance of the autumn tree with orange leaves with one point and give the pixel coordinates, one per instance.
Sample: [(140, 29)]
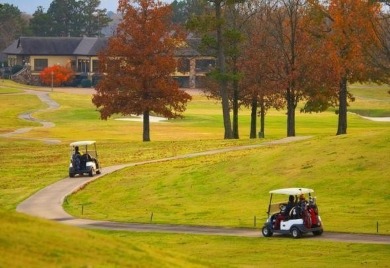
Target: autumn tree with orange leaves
[(138, 64), (58, 75), (351, 36), (289, 53)]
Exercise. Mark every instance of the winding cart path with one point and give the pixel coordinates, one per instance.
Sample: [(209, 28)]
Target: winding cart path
[(47, 204), (52, 105)]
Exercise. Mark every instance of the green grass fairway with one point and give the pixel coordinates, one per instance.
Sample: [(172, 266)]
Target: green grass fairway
[(13, 106), (28, 242), (371, 100), (263, 252), (349, 174)]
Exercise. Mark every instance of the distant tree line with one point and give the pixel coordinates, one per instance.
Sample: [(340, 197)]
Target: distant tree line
[(63, 18), (69, 18)]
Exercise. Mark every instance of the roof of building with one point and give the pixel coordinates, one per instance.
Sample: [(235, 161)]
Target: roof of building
[(82, 46), (56, 46), (90, 46)]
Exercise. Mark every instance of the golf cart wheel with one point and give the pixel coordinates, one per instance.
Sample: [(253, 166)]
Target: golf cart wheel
[(98, 172), (295, 232), (91, 172), (319, 232), (266, 231), (71, 175)]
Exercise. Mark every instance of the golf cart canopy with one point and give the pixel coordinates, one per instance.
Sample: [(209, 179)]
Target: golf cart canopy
[(81, 143), (292, 191)]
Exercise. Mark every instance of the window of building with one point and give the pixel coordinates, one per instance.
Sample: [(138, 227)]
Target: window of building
[(183, 81), (83, 66), (40, 64), (204, 65), (95, 66), (183, 65)]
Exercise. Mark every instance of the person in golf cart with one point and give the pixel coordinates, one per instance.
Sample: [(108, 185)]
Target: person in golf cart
[(285, 211), (76, 158), (295, 209), (83, 160), (302, 218), (80, 160)]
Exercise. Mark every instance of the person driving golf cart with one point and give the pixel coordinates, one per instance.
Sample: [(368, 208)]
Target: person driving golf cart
[(76, 158), (285, 211), (86, 162), (296, 217)]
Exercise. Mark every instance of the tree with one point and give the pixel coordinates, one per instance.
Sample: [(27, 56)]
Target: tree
[(220, 73), (12, 24), (41, 23), (70, 18), (138, 64), (257, 86), (380, 58), (64, 14), (224, 39), (286, 30), (236, 18), (351, 36), (58, 75), (93, 19), (180, 12)]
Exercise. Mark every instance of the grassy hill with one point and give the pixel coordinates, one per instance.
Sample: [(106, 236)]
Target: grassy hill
[(28, 242), (349, 174)]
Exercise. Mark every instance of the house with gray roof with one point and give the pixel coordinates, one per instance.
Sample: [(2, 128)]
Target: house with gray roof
[(81, 55)]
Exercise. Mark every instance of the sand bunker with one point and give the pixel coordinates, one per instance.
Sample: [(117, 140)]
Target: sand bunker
[(152, 119)]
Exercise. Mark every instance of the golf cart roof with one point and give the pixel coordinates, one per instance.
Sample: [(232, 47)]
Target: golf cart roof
[(292, 191), (81, 143)]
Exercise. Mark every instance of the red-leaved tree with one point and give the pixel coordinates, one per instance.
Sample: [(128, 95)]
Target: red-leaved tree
[(138, 64), (56, 75), (351, 36)]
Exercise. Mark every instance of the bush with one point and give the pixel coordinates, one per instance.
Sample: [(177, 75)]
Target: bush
[(58, 75), (86, 83), (95, 79)]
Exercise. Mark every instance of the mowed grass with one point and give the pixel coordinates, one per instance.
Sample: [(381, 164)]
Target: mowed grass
[(13, 106), (29, 242), (222, 251), (371, 100), (347, 172)]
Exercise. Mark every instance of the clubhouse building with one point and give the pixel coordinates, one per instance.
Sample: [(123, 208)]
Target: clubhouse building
[(81, 55)]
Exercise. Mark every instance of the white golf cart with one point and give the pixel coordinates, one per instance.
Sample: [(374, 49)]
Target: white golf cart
[(294, 214), (83, 159)]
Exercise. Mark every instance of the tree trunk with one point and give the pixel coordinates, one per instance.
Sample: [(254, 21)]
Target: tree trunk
[(290, 113), (146, 124), (262, 119), (342, 124), (253, 118), (222, 69), (236, 134)]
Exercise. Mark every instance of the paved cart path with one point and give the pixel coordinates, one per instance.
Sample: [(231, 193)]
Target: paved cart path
[(52, 105), (47, 203)]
